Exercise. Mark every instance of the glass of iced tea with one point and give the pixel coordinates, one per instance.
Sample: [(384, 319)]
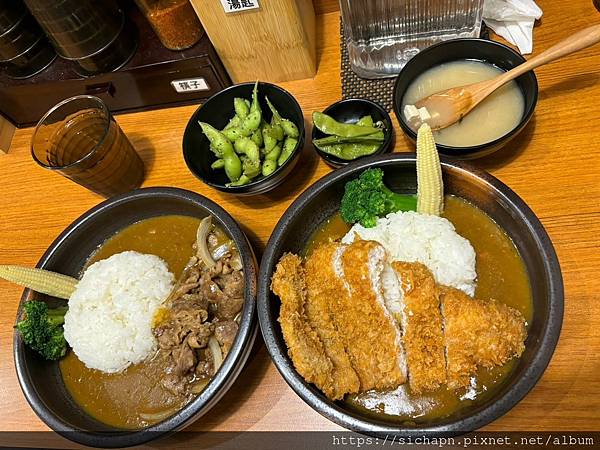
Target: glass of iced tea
[(80, 139)]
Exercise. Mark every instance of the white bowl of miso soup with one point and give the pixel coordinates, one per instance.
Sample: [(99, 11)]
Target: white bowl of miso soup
[(490, 125)]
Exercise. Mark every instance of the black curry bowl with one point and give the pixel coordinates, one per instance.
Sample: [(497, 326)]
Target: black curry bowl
[(320, 201), (41, 380), (217, 111), (485, 50), (350, 111)]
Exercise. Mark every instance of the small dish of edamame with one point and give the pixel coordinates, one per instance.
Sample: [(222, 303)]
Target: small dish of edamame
[(245, 139), (351, 129)]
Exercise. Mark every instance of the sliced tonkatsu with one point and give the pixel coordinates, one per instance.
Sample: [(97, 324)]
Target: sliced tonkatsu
[(374, 339), (422, 333)]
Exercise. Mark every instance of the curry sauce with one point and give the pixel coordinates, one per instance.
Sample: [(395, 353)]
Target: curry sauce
[(501, 275), (133, 398)]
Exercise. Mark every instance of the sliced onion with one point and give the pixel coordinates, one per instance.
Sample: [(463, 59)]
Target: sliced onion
[(215, 351), (199, 386), (201, 236), (159, 415), (236, 262), (222, 250)]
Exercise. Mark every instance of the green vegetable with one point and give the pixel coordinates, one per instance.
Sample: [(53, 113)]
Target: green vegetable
[(350, 151), (246, 146), (242, 109), (252, 121), (365, 121), (233, 133), (269, 167), (367, 198), (235, 121), (329, 125), (257, 137), (218, 164), (249, 146), (42, 329), (270, 164), (376, 138), (288, 148), (276, 116), (251, 167), (277, 131), (224, 150), (269, 139), (273, 155), (288, 127), (240, 182)]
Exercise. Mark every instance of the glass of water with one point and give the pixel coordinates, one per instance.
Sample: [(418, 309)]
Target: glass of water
[(382, 35)]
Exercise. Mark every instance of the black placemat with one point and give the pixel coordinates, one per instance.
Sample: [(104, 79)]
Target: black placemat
[(380, 90)]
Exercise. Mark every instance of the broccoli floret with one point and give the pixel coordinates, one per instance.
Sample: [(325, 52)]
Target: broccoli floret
[(42, 329), (367, 198)]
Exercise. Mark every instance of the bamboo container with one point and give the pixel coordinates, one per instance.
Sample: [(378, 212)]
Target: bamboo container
[(275, 42)]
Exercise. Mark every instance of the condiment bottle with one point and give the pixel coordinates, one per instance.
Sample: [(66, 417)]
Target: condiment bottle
[(174, 22)]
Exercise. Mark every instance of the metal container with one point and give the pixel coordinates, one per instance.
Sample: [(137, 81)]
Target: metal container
[(93, 34), (24, 50)]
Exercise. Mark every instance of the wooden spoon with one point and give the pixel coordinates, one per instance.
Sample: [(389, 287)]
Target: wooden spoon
[(449, 106)]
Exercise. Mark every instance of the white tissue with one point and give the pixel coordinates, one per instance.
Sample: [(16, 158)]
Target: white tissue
[(513, 20)]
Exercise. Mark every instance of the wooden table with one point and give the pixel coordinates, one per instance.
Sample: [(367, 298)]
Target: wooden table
[(553, 165)]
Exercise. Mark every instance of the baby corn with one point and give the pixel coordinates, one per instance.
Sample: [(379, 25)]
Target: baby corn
[(430, 188), (39, 280)]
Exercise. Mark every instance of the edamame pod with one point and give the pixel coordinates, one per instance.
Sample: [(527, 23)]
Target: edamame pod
[(278, 131), (273, 155), (369, 139), (365, 121), (233, 133), (351, 151), (240, 182), (329, 125), (252, 121), (217, 139), (247, 147), (289, 128), (251, 168), (288, 148), (233, 122), (232, 164), (241, 107), (257, 137), (269, 166), (269, 139), (276, 116), (218, 164)]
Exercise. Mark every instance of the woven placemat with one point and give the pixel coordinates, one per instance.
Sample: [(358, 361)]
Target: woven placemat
[(381, 90)]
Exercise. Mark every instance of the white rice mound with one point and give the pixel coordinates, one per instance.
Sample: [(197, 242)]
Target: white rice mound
[(109, 321), (431, 240)]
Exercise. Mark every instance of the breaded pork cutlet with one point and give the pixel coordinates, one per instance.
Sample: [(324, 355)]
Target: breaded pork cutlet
[(421, 321), (374, 340), (478, 333), (323, 286), (304, 345)]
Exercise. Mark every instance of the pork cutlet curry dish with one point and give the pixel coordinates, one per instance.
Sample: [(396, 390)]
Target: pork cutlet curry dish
[(148, 324), (408, 308)]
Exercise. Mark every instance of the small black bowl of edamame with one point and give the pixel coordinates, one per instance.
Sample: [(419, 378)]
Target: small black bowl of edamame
[(248, 141), (339, 142)]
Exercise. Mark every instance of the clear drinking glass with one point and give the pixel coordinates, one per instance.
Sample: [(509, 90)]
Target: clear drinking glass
[(80, 139), (382, 35)]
